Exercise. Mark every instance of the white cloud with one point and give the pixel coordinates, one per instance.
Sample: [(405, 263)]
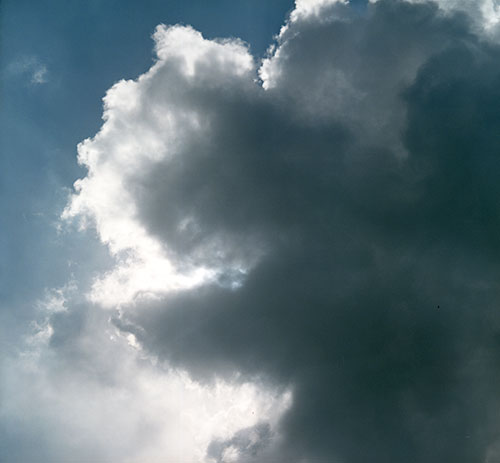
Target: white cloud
[(305, 8), (147, 123), (138, 414), (107, 401)]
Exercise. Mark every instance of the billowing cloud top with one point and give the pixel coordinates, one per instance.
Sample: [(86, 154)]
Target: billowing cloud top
[(325, 222)]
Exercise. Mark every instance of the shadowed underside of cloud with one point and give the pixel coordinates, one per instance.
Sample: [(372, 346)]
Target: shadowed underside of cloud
[(346, 209)]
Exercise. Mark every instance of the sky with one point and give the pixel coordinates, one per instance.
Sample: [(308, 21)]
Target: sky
[(250, 231)]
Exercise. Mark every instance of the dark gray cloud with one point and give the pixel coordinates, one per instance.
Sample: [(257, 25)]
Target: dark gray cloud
[(367, 176)]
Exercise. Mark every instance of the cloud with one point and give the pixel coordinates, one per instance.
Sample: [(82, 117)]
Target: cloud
[(108, 194), (485, 14), (245, 443), (39, 75), (322, 227), (31, 67), (79, 387)]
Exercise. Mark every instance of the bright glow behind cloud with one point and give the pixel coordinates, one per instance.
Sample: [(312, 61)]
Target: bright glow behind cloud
[(135, 413), (145, 123)]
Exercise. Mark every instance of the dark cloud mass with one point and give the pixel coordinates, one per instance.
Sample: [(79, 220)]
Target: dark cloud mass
[(367, 178)]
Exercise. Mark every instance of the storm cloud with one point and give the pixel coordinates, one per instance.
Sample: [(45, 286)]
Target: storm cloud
[(325, 222)]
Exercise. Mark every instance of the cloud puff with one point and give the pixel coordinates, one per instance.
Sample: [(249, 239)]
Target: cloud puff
[(327, 221), (161, 117), (30, 66)]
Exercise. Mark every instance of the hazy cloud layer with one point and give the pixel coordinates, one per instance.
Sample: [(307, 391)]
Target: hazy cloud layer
[(325, 223), (81, 391)]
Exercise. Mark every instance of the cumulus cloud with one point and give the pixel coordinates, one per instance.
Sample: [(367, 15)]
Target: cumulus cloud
[(161, 115), (319, 230)]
